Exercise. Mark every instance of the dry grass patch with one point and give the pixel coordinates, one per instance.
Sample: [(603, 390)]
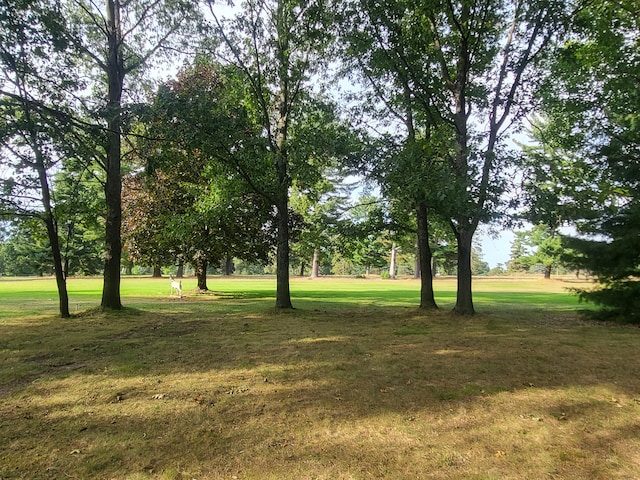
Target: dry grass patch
[(203, 389)]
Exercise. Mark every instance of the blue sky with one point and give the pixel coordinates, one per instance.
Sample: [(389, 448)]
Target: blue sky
[(496, 250)]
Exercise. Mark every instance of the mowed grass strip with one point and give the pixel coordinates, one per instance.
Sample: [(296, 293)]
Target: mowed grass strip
[(355, 383)]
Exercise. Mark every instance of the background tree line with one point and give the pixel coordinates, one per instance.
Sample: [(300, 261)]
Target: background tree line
[(247, 151)]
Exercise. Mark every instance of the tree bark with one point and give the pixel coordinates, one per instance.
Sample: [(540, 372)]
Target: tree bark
[(427, 298), (157, 272), (392, 263), (227, 265), (65, 267), (61, 281), (464, 297), (547, 272), (315, 268), (417, 272), (283, 293), (283, 109), (201, 265), (180, 272), (113, 185)]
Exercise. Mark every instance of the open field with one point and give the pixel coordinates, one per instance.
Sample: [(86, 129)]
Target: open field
[(356, 383)]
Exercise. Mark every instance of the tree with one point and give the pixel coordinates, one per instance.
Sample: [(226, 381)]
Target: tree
[(387, 49), (322, 147), (320, 212), (539, 245), (590, 104), (35, 126), (549, 249), (519, 252), (79, 205), (463, 68), (3, 248), (485, 53), (27, 250), (190, 202), (362, 236), (478, 265), (149, 202), (277, 45), (120, 41)]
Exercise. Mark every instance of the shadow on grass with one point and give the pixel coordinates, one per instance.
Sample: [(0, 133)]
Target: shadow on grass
[(218, 388)]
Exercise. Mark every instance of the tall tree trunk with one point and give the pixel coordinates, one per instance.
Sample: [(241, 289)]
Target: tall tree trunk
[(284, 102), (392, 263), (464, 298), (315, 268), (52, 233), (547, 272), (201, 265), (113, 185), (157, 272), (283, 293), (49, 220), (417, 272), (61, 281), (427, 299), (302, 265)]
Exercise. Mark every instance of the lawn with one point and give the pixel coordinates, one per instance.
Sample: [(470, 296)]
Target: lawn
[(355, 383)]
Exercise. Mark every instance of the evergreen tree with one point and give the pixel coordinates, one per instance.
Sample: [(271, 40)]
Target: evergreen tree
[(591, 106)]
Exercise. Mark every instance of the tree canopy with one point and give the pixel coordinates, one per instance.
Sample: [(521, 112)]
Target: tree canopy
[(591, 115)]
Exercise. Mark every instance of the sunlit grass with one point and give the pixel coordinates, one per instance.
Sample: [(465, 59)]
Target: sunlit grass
[(356, 383), (330, 291)]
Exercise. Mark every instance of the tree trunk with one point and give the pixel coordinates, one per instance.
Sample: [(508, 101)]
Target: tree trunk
[(417, 272), (464, 298), (434, 267), (180, 272), (392, 263), (427, 299), (113, 184), (201, 265), (157, 272), (49, 220), (227, 265), (284, 101), (547, 272), (52, 233), (65, 267), (283, 293), (315, 269), (61, 281)]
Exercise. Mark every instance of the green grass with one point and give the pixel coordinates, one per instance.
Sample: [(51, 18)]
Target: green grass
[(28, 294), (356, 383)]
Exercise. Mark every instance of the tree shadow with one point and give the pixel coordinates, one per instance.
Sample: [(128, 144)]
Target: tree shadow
[(347, 392)]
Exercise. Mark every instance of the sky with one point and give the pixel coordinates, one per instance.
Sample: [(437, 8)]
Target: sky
[(496, 249)]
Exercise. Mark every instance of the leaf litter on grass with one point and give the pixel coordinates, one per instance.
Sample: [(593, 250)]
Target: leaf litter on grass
[(179, 391)]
